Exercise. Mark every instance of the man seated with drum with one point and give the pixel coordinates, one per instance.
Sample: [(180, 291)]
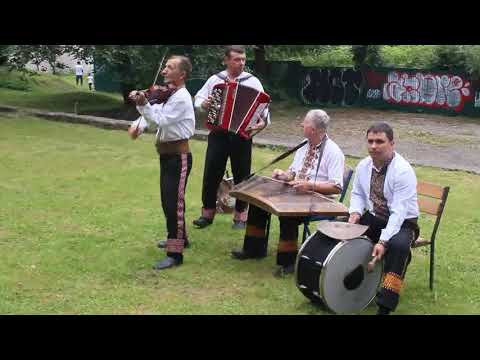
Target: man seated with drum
[(305, 174), (384, 197)]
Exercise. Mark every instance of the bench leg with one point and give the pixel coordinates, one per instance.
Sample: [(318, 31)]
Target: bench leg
[(432, 263)]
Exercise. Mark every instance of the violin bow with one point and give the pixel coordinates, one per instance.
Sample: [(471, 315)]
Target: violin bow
[(160, 67), (156, 76)]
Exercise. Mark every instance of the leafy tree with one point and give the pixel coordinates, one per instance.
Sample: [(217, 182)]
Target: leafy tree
[(473, 60), (450, 58), (4, 51), (21, 55), (367, 55)]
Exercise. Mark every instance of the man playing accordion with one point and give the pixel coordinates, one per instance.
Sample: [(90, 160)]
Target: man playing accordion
[(225, 144)]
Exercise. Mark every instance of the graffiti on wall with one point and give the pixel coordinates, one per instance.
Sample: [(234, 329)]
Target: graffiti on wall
[(425, 89), (405, 88), (334, 86)]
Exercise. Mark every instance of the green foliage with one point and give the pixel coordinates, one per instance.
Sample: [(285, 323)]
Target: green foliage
[(450, 58), (472, 54), (20, 55), (367, 55), (408, 56), (332, 56), (14, 80), (4, 50)]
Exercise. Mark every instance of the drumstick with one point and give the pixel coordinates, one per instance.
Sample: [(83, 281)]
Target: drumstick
[(371, 264)]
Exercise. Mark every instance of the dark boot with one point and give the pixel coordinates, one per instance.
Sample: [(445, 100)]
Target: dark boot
[(242, 255), (282, 271), (168, 262), (382, 310), (202, 222)]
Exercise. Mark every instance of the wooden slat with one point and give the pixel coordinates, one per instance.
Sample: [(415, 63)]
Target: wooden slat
[(429, 189), (429, 206)]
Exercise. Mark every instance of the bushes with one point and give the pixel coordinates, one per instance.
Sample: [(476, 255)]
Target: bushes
[(408, 56), (14, 81)]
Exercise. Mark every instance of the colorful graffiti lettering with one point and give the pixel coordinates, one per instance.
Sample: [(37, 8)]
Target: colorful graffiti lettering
[(436, 91)]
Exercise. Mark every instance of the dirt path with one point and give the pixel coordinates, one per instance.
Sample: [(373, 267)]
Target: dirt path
[(424, 139)]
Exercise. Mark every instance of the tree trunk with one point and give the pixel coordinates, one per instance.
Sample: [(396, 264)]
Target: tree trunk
[(52, 64), (260, 61)]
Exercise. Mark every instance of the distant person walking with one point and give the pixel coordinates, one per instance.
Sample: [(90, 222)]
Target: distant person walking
[(90, 81), (79, 73)]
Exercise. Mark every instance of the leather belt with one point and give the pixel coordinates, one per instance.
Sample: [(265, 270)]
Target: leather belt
[(173, 147)]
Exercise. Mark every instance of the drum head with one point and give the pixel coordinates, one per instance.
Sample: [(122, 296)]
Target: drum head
[(345, 284)]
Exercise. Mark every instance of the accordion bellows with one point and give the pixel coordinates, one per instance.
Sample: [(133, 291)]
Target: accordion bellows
[(234, 107)]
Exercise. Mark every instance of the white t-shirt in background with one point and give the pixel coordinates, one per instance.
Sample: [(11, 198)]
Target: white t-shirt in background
[(78, 70)]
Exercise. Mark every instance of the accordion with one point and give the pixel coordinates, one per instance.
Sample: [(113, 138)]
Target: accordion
[(234, 107)]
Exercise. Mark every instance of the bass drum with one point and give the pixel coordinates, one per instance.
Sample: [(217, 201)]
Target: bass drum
[(334, 272)]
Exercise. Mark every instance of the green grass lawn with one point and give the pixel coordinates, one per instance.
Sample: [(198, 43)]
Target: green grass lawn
[(54, 93), (81, 213)]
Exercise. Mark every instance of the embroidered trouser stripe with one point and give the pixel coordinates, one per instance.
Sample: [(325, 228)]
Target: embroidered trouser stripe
[(396, 260), (288, 244), (255, 241), (174, 171), (221, 146)]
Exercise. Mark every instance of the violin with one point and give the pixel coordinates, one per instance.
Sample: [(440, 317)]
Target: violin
[(158, 94)]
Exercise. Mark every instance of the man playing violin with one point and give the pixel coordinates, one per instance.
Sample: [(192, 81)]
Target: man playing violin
[(174, 119), (223, 145), (318, 166)]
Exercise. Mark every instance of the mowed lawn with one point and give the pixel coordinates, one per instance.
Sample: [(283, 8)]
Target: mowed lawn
[(80, 215)]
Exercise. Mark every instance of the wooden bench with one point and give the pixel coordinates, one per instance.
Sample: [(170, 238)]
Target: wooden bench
[(431, 200)]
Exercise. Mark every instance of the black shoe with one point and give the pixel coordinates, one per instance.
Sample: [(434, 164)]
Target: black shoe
[(282, 271), (237, 224), (382, 310), (242, 255), (166, 263), (202, 222), (163, 243)]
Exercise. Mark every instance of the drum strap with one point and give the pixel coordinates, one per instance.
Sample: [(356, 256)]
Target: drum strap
[(320, 155)]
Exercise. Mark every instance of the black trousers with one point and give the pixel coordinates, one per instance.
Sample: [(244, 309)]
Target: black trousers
[(79, 78), (221, 146), (174, 172), (397, 257), (255, 241)]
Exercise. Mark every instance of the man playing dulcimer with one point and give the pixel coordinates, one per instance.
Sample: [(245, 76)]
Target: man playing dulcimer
[(318, 166)]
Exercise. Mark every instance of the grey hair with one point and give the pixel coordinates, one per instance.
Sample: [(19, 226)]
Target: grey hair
[(319, 118)]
